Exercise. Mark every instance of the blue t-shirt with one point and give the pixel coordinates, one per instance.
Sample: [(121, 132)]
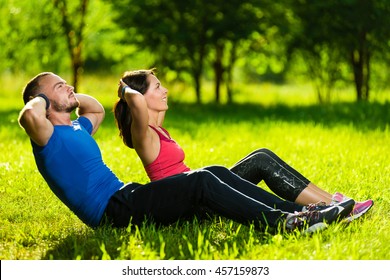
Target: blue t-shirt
[(72, 165)]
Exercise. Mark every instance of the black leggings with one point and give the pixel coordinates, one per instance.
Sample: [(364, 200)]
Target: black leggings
[(281, 178), (203, 192)]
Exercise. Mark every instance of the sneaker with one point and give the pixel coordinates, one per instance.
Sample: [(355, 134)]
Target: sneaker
[(337, 197), (321, 205), (359, 209), (317, 220), (348, 205)]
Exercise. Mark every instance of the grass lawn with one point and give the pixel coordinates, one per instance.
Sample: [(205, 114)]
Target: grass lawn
[(341, 146)]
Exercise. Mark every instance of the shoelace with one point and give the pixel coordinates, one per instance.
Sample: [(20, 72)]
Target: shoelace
[(313, 206), (301, 217)]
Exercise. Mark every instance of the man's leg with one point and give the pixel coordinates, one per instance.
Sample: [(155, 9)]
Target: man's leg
[(185, 195)]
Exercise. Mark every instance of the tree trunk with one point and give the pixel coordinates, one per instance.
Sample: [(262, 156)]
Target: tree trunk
[(358, 73), (360, 60), (218, 71), (367, 76), (74, 36), (77, 66), (229, 73), (197, 75), (198, 86)]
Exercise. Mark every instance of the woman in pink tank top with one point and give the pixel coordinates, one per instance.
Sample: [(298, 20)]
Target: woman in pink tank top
[(140, 113), (170, 160)]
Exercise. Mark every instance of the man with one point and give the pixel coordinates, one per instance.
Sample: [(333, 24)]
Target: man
[(71, 163)]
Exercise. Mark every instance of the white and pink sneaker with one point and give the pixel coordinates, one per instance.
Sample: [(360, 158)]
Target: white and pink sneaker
[(359, 209)]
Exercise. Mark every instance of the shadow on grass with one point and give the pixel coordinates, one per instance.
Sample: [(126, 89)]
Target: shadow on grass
[(81, 245), (182, 240), (361, 116)]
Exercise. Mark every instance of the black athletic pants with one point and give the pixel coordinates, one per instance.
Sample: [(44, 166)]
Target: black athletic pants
[(207, 191), (281, 178)]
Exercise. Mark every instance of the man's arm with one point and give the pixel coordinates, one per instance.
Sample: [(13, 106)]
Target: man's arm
[(91, 109), (33, 119)]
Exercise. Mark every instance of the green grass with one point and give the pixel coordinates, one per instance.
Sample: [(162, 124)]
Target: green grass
[(341, 147)]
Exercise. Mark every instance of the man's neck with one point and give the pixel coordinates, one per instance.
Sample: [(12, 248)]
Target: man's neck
[(60, 118)]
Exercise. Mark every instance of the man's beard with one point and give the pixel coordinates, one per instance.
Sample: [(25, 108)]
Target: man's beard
[(65, 108)]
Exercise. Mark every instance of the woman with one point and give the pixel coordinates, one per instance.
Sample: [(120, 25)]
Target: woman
[(140, 114)]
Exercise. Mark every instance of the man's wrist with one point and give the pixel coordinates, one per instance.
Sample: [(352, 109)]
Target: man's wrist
[(44, 98)]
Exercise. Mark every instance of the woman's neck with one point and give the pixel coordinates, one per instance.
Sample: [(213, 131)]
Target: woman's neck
[(156, 119)]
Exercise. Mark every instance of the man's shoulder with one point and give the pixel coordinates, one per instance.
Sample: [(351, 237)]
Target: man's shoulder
[(84, 122)]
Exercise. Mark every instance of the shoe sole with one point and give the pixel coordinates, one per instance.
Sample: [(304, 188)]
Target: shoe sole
[(315, 228)]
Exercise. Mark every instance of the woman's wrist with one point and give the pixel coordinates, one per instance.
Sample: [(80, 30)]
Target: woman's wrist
[(124, 91), (127, 89)]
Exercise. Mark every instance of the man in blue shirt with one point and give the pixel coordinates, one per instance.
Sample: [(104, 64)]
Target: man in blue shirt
[(70, 161)]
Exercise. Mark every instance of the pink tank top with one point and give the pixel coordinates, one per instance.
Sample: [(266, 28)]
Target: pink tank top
[(170, 160)]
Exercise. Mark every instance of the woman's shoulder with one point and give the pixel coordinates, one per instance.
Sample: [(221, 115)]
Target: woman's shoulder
[(162, 132)]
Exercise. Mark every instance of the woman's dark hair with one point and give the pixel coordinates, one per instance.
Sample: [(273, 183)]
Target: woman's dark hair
[(136, 80)]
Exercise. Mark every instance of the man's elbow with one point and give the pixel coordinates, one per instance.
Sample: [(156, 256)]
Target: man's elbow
[(26, 116)]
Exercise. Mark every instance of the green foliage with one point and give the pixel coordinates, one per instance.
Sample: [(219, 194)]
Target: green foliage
[(190, 35), (333, 33), (341, 147), (224, 41), (30, 37)]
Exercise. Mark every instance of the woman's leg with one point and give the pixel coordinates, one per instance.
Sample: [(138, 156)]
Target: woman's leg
[(252, 190), (313, 194), (281, 178), (185, 195)]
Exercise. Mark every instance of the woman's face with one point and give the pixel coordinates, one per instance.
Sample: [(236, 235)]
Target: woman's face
[(156, 95)]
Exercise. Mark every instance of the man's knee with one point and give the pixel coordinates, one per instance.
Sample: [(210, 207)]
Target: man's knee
[(203, 175), (219, 171)]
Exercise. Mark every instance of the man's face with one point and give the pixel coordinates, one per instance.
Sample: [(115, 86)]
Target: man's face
[(60, 94)]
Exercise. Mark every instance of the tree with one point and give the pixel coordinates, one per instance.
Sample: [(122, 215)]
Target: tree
[(173, 31), (29, 37), (39, 34), (353, 29), (73, 27), (232, 23), (181, 34)]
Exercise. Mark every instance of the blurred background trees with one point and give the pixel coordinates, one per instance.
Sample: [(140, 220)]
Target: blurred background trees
[(330, 43)]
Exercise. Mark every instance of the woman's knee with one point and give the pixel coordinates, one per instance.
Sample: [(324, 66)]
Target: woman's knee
[(262, 154), (264, 151)]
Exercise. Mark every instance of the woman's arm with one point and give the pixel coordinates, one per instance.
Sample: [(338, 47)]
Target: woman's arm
[(144, 141)]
